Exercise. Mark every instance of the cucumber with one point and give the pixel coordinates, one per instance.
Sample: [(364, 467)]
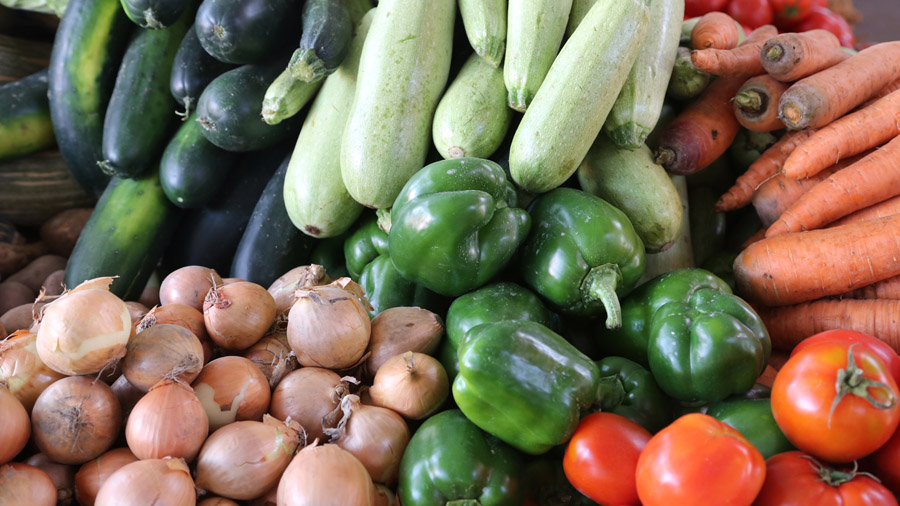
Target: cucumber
[(707, 226), (485, 24), (25, 125), (192, 70), (314, 193), (472, 117), (88, 48), (327, 30), (535, 31), (687, 81), (637, 109), (246, 31), (125, 236), (581, 87), (193, 169), (154, 14), (403, 70), (629, 180), (579, 10)]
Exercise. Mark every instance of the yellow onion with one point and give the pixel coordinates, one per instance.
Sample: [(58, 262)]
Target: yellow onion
[(412, 384), (270, 498), (127, 394), (188, 285), (15, 428), (63, 477), (162, 481), (328, 326), (22, 369), (21, 484), (183, 315), (238, 315), (384, 496), (3, 332), (272, 355), (162, 351), (232, 388), (325, 476), (244, 459), (307, 395), (217, 501), (91, 476), (75, 420), (136, 310), (168, 421), (397, 330), (305, 276), (376, 436)]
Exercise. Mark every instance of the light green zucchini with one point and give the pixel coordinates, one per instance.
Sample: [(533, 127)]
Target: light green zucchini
[(681, 254), (485, 24), (579, 10), (686, 81), (286, 96)]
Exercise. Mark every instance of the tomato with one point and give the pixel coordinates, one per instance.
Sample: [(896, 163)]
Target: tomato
[(602, 455), (752, 13), (836, 401), (879, 347), (821, 17), (699, 460), (887, 462), (790, 12), (694, 8), (794, 478), (820, 3)]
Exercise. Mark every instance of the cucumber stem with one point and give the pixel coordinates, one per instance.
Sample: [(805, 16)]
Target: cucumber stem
[(306, 66), (151, 22), (600, 284)]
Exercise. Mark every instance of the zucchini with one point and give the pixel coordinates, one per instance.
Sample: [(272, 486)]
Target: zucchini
[(193, 169), (36, 187), (472, 117), (637, 109), (285, 97), (327, 30), (246, 31), (687, 81), (88, 48), (125, 236), (579, 10), (192, 70), (581, 87), (314, 193), (680, 255), (402, 74), (21, 57), (535, 31), (485, 24), (25, 125), (154, 14)]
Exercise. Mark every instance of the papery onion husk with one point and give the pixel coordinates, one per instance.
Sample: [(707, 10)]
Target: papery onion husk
[(188, 285), (63, 476), (384, 496), (414, 385), (238, 315), (15, 427), (127, 394), (183, 315), (22, 368), (162, 481), (168, 421), (217, 501), (325, 475), (270, 498), (283, 289), (75, 420), (272, 354), (92, 475), (232, 388), (21, 484), (137, 311), (397, 330), (244, 459), (307, 395), (162, 351)]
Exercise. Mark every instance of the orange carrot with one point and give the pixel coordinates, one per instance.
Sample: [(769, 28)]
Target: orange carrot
[(887, 90), (717, 30), (885, 289), (792, 56), (819, 99), (852, 134), (792, 268), (756, 104), (889, 207), (869, 181), (742, 61)]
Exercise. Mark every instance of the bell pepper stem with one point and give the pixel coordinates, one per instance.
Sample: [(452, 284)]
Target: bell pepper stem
[(850, 381), (600, 284), (610, 393), (384, 220)]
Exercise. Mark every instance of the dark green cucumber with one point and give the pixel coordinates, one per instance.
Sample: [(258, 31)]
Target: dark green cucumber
[(88, 48), (192, 70), (154, 14), (125, 236), (327, 30), (25, 125), (271, 244), (193, 169), (246, 31)]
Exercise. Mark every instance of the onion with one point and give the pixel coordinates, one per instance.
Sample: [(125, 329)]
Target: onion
[(238, 315), (168, 421), (63, 477), (325, 475), (217, 501), (92, 475), (127, 394), (3, 332), (162, 351), (21, 484), (400, 329), (188, 285), (305, 276), (307, 395), (232, 388), (136, 310), (328, 326), (183, 315), (270, 498), (153, 481), (244, 459), (22, 368), (228, 281), (75, 420), (412, 384), (15, 428), (384, 496), (272, 355)]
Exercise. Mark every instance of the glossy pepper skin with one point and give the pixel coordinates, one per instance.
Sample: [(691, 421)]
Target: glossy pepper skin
[(449, 461), (524, 383), (454, 225), (753, 418), (629, 390), (582, 254)]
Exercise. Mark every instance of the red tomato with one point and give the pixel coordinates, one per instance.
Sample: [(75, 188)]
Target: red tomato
[(602, 456), (699, 460), (820, 3), (830, 418), (790, 12), (879, 347), (752, 13), (797, 478), (887, 462), (693, 8), (821, 17)]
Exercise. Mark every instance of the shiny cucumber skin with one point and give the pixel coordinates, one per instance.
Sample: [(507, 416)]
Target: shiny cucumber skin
[(25, 125), (192, 70), (154, 14), (192, 169), (247, 31)]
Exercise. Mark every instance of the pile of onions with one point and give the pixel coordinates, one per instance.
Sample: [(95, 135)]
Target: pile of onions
[(384, 496), (328, 326), (232, 388), (26, 485), (183, 315), (305, 276), (137, 311), (22, 369), (188, 285), (245, 459), (272, 355), (238, 315), (217, 501), (325, 475), (169, 421), (307, 395), (167, 480), (400, 329), (75, 420), (15, 428), (412, 384), (63, 477), (127, 394), (270, 498), (162, 351), (92, 475)]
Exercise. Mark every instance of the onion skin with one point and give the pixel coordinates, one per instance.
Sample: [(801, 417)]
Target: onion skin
[(63, 477), (23, 370), (162, 351), (164, 481), (397, 330), (183, 315), (217, 501), (75, 420), (325, 475), (306, 396), (232, 388), (188, 285), (21, 484), (137, 311), (168, 421), (15, 427), (272, 355), (414, 385), (328, 327), (238, 315), (384, 496), (91, 476), (127, 394), (305, 276), (270, 498), (376, 436)]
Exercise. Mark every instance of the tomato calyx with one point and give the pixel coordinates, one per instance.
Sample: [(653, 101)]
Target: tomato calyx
[(834, 478), (850, 381)]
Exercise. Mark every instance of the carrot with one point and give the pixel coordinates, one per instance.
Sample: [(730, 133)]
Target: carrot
[(792, 268), (885, 289), (792, 56), (717, 30), (889, 207), (852, 134), (756, 104), (741, 61), (869, 181), (765, 167), (819, 99)]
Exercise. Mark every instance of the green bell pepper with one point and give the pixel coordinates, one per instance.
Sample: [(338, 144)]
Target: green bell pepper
[(753, 418), (524, 383), (627, 389), (582, 254), (451, 462), (547, 485), (329, 253), (454, 225)]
